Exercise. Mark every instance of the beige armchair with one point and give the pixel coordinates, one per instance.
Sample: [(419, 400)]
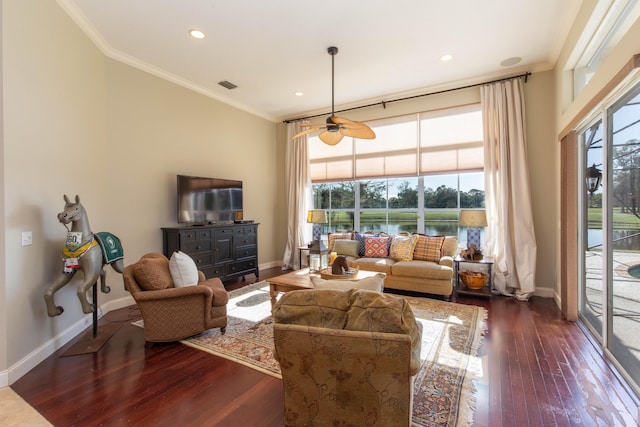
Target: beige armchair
[(173, 313), (347, 357)]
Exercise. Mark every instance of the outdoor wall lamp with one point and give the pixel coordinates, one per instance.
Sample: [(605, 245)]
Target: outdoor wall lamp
[(594, 179)]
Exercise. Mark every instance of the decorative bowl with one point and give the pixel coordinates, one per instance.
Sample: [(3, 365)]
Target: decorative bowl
[(328, 275), (474, 279)]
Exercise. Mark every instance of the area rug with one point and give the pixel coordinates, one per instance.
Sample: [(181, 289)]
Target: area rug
[(444, 390)]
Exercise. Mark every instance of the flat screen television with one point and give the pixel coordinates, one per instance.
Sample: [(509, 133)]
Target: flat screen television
[(208, 200)]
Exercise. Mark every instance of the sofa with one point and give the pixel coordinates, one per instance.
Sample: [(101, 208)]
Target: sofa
[(411, 262), (348, 357)]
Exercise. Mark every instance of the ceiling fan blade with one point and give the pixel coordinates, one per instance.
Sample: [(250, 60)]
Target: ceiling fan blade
[(346, 122), (305, 125), (304, 132), (330, 138), (364, 132)]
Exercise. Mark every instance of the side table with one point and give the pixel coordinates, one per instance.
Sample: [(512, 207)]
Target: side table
[(300, 250), (461, 289)]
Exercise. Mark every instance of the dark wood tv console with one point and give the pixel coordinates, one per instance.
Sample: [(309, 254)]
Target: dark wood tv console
[(219, 250)]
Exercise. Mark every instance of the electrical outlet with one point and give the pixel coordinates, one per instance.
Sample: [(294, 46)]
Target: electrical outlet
[(27, 238)]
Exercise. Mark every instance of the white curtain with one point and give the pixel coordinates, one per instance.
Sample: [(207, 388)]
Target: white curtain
[(298, 194), (510, 238)]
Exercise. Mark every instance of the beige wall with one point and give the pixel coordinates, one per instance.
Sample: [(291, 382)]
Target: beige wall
[(54, 136), (76, 122)]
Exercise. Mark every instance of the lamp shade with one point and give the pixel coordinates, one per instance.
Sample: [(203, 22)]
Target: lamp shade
[(473, 218), (317, 216)]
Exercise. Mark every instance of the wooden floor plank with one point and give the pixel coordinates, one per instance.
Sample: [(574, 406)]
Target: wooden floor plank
[(539, 370)]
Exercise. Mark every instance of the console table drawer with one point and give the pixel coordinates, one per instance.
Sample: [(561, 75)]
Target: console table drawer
[(246, 252), (191, 235), (193, 247), (245, 240), (241, 267), (203, 259)]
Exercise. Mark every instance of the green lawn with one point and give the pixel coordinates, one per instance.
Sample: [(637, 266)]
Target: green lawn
[(621, 221)]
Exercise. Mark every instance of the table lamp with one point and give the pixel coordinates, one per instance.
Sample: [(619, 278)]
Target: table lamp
[(473, 219), (317, 217), (318, 252)]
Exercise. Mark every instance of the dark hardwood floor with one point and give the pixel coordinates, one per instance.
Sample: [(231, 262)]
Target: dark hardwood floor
[(538, 370)]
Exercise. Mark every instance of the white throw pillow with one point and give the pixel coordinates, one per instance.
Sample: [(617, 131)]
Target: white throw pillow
[(184, 271), (374, 283)]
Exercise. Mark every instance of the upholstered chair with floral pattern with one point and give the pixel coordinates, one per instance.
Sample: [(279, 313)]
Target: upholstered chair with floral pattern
[(348, 357)]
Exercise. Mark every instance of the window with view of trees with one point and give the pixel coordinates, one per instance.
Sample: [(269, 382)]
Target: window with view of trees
[(415, 176)]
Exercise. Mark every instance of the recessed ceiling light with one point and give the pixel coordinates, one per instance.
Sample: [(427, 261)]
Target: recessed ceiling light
[(445, 58), (298, 93), (511, 61), (197, 34)]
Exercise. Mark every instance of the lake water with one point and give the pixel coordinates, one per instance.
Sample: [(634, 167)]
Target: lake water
[(628, 240)]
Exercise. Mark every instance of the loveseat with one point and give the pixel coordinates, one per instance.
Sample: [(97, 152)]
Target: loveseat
[(411, 262)]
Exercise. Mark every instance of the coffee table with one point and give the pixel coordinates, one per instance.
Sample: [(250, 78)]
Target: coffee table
[(300, 279)]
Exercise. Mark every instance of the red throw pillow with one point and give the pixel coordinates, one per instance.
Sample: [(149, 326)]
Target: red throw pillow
[(376, 247)]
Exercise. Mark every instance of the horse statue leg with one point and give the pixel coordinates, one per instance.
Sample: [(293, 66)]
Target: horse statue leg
[(103, 282), (54, 310), (118, 266), (91, 266)]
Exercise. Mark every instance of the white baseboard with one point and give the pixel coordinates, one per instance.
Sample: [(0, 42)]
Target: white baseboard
[(27, 363), (270, 265), (544, 292)]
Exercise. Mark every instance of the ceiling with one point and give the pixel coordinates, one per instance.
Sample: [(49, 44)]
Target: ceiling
[(271, 49)]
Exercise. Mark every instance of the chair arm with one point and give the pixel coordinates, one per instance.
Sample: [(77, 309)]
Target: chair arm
[(446, 260), (165, 294)]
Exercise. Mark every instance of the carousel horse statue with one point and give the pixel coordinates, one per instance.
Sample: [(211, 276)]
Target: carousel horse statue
[(83, 257)]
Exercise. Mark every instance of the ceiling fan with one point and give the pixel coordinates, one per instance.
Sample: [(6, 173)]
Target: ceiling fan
[(335, 127)]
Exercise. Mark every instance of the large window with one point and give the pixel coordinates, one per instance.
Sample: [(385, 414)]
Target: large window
[(434, 142), (428, 204), (415, 176)]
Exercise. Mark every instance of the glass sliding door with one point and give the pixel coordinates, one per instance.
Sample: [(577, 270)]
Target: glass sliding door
[(609, 293), (591, 295), (623, 296)]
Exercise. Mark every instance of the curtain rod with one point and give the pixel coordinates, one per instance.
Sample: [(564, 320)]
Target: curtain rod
[(384, 103)]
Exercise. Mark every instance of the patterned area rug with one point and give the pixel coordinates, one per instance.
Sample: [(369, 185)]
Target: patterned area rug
[(444, 391)]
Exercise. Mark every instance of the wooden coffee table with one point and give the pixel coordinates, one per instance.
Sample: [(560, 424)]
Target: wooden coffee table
[(300, 279)]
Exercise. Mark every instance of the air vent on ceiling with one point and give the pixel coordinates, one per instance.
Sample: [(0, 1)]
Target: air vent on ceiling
[(227, 84)]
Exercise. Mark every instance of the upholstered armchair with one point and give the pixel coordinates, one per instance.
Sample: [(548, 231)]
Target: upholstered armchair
[(174, 311), (348, 357)]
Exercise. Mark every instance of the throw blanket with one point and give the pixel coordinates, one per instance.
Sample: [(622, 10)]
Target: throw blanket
[(111, 247)]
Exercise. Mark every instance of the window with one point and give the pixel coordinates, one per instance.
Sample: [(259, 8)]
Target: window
[(442, 141), (415, 176), (609, 21)]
